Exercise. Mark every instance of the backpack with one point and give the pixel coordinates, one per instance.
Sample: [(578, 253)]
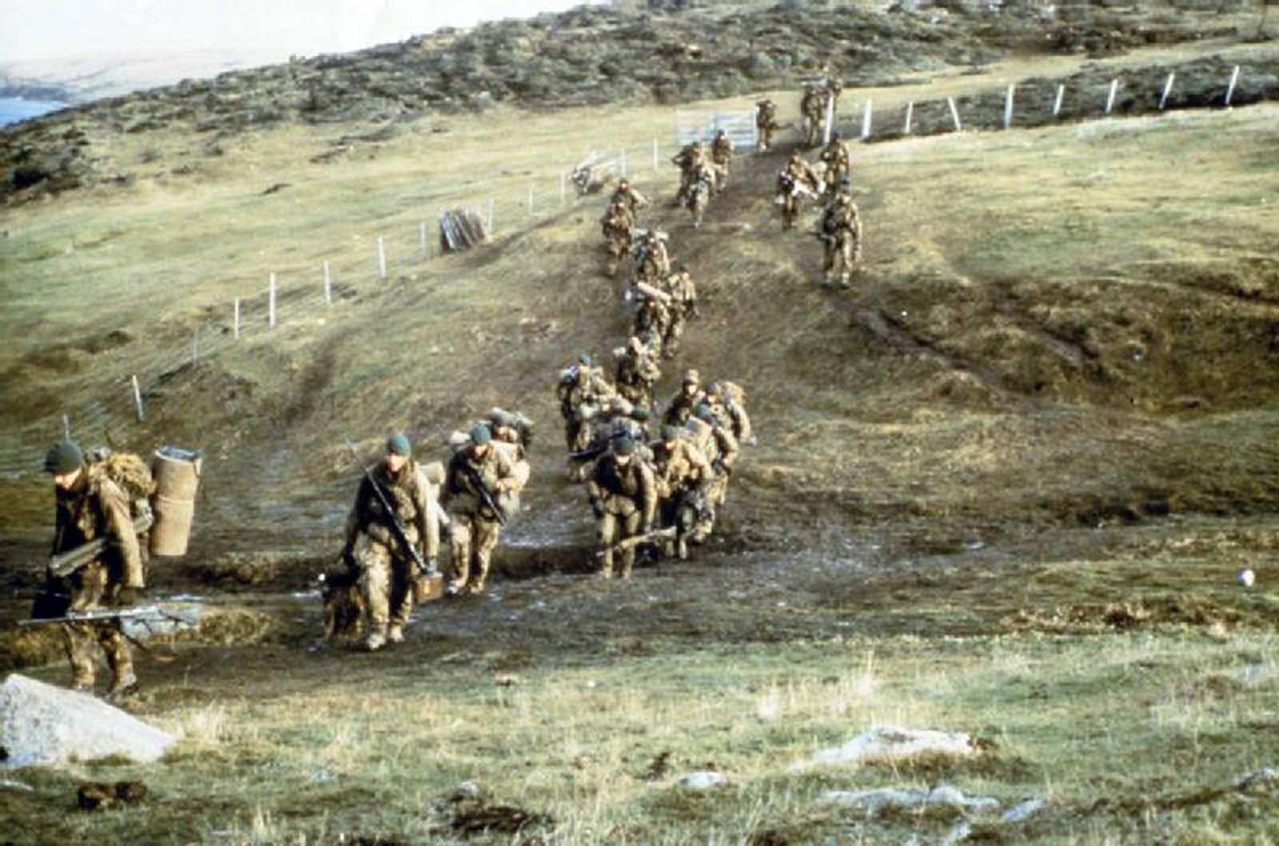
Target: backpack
[(131, 473)]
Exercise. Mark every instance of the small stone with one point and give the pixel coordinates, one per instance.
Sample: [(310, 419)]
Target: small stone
[(703, 780)]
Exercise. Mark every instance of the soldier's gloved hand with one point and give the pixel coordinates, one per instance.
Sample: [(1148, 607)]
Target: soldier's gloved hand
[(597, 505)]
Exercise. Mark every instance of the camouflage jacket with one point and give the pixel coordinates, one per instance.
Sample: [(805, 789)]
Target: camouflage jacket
[(494, 472), (622, 487), (678, 465), (407, 493), (766, 114), (95, 507)]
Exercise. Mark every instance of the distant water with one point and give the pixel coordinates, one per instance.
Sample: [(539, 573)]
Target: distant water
[(14, 109)]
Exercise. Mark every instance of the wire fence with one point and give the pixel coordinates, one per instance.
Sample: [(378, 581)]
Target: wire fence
[(136, 380)]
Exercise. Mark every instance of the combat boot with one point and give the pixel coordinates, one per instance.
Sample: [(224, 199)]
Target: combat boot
[(122, 686), (375, 641), (395, 633)]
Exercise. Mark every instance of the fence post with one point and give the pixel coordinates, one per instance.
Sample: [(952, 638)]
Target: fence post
[(381, 258), (910, 113), (137, 399), (829, 118), (1110, 98), (563, 185), (655, 165), (1163, 98), (1061, 93), (328, 284), (66, 427), (866, 119), (1230, 89), (235, 324), (954, 114), (421, 237), (270, 303), (530, 199), (1008, 106)]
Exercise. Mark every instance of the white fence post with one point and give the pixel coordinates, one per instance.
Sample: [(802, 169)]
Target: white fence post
[(421, 233), (235, 324), (829, 118), (1008, 106), (1061, 94), (381, 258), (270, 303), (1163, 99), (954, 114), (910, 113), (66, 427), (866, 120), (328, 284), (1110, 98), (656, 167), (1230, 89), (137, 400)]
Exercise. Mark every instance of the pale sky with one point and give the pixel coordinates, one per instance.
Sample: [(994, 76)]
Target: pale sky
[(50, 29)]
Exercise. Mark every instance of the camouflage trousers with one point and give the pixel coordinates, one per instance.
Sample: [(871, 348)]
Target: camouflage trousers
[(472, 541), (386, 581), (621, 520), (80, 639), (765, 137), (841, 254)]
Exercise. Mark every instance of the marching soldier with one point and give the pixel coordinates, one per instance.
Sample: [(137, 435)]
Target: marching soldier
[(841, 232), (728, 402), (838, 159), (721, 157), (386, 569), (682, 307), (686, 401), (618, 225), (795, 181), (512, 433), (582, 391), (766, 123), (688, 160), (624, 498), (88, 506), (632, 198), (652, 262), (478, 476), (637, 371), (682, 474), (721, 450), (812, 107)]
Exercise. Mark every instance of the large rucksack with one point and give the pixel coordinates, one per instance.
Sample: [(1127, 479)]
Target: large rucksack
[(131, 473)]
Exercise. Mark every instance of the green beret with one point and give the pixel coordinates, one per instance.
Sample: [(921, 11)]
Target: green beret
[(670, 433), (398, 444), (624, 446), (480, 434), (63, 457)]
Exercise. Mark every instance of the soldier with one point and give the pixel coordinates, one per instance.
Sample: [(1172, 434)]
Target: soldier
[(766, 122), (812, 107), (618, 226), (512, 433), (386, 569), (837, 158), (721, 157), (681, 308), (688, 160), (705, 178), (637, 371), (686, 401), (721, 449), (628, 195), (794, 183), (89, 505), (478, 477), (728, 402), (652, 319), (652, 262), (682, 474), (582, 391), (624, 498), (841, 232)]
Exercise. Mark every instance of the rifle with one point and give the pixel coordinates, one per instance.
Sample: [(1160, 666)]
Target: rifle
[(141, 613), (485, 496), (66, 563), (589, 453), (636, 540), (397, 528)]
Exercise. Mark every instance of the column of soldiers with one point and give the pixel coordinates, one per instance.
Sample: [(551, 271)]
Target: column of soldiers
[(659, 488), (402, 508)]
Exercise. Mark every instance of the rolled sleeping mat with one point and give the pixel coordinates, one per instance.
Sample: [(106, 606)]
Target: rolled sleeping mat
[(177, 477)]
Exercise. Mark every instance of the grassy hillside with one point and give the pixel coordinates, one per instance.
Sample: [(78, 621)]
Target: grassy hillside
[(1002, 486)]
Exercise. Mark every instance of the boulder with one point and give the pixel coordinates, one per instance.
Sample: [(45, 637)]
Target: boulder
[(45, 725), (888, 743), (703, 780), (883, 799)]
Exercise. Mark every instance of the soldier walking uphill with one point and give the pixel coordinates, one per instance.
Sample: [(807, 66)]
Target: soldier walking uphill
[(795, 182), (681, 308), (624, 498), (478, 477), (812, 108), (721, 158), (838, 160), (89, 506), (618, 226), (841, 232), (386, 568)]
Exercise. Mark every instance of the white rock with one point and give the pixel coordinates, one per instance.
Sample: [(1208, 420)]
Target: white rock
[(43, 724), (1023, 810), (874, 801), (891, 743), (703, 780)]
